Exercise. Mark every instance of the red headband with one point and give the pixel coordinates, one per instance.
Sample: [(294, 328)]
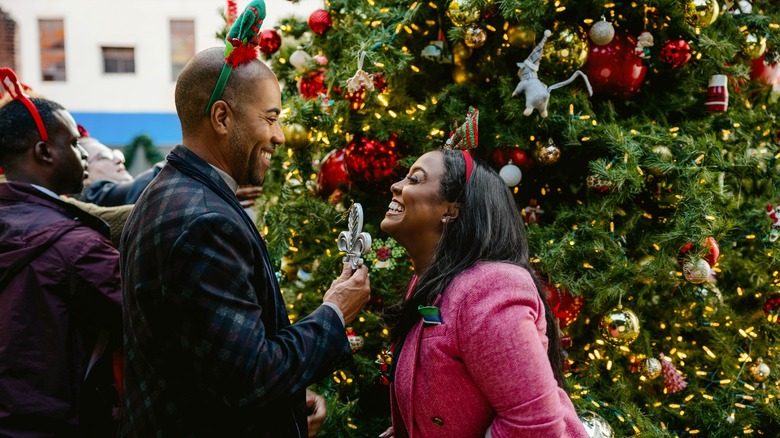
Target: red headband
[(14, 88), (465, 137)]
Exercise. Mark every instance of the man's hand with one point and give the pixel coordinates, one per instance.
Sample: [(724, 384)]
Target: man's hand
[(388, 433), (317, 410), (350, 292), (247, 194)]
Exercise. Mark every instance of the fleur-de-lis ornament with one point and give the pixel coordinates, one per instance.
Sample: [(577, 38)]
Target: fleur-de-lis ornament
[(354, 242)]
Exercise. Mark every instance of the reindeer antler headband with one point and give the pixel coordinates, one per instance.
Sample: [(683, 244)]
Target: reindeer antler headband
[(240, 45), (15, 89), (465, 137)]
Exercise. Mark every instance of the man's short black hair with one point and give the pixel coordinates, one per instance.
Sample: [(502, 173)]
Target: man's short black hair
[(18, 130)]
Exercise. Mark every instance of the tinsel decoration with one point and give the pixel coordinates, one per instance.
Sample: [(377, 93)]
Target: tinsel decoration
[(673, 379)]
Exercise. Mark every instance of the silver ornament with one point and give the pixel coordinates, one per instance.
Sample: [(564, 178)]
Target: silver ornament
[(602, 32), (511, 175), (596, 426)]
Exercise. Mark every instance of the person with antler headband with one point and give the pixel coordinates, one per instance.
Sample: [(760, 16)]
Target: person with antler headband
[(59, 278), (209, 348), (476, 349)]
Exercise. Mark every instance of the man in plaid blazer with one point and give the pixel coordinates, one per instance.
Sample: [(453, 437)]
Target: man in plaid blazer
[(209, 348)]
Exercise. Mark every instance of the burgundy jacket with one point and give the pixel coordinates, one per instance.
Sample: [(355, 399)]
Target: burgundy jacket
[(51, 308), (485, 368)]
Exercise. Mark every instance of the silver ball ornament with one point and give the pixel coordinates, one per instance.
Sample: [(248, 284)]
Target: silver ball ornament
[(602, 32), (475, 37), (299, 59), (697, 272), (511, 175), (595, 425)]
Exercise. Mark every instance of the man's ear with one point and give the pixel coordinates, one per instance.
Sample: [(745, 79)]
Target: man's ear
[(43, 152), (220, 116)]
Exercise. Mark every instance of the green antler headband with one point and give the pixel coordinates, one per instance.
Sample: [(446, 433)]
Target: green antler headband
[(240, 45)]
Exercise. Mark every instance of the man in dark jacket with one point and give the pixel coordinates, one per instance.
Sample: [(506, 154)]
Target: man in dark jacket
[(209, 347), (59, 274)]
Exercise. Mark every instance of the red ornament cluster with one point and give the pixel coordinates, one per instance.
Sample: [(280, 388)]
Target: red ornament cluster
[(676, 53), (370, 161), (312, 84), (520, 157), (564, 305), (320, 21), (332, 173)]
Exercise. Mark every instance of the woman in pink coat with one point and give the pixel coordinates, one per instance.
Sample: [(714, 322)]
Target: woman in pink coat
[(478, 351)]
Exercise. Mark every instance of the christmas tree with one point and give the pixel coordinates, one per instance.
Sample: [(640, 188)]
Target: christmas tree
[(652, 206)]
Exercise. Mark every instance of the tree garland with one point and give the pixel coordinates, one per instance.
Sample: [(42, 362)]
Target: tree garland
[(150, 150)]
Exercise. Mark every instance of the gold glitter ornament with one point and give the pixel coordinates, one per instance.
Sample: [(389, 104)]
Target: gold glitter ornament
[(697, 272), (462, 12), (549, 153), (475, 37), (651, 368), (602, 32), (755, 45), (701, 13), (567, 49), (759, 371), (519, 36), (620, 326)]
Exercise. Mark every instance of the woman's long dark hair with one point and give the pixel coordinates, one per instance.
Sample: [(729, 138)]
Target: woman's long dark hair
[(488, 228)]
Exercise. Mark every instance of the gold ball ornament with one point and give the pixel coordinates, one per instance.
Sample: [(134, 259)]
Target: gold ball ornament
[(595, 425), (295, 135), (701, 13), (548, 153), (602, 32), (620, 326), (475, 37), (759, 371), (519, 36), (651, 368), (566, 50), (697, 272), (755, 45), (460, 53), (462, 12)]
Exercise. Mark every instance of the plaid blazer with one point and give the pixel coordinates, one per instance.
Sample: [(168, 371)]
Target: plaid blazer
[(209, 348)]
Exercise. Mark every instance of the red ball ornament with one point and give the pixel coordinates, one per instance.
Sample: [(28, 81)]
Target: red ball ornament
[(761, 71), (312, 84), (564, 305), (370, 161), (270, 41), (320, 21), (519, 157), (615, 69), (676, 53), (772, 307), (332, 173)]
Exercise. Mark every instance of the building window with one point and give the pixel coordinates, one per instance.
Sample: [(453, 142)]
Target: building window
[(182, 45), (118, 60), (52, 39)]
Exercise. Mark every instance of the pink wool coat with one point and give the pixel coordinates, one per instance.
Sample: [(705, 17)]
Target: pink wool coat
[(485, 367)]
